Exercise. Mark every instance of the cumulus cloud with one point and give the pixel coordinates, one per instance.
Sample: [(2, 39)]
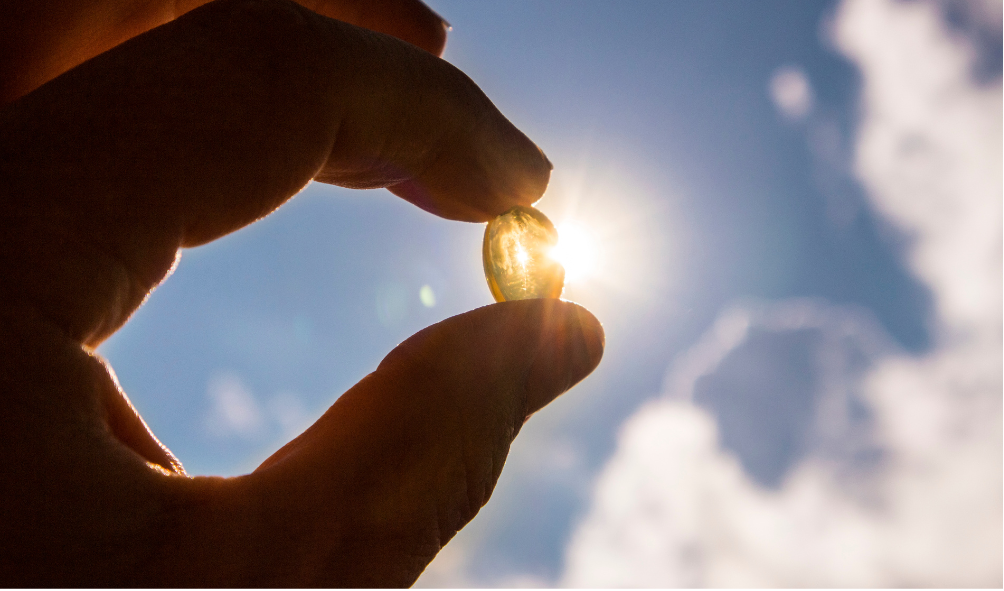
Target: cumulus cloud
[(877, 469), (853, 463), (791, 92), (929, 152)]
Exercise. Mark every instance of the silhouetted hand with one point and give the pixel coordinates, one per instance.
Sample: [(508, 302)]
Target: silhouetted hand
[(128, 135)]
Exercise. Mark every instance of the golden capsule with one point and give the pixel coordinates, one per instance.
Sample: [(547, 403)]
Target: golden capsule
[(517, 256)]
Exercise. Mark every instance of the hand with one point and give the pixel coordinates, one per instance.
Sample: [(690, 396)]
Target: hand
[(162, 137)]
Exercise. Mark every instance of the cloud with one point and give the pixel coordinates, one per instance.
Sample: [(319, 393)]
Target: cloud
[(791, 92), (879, 470), (234, 410), (929, 152), (794, 445)]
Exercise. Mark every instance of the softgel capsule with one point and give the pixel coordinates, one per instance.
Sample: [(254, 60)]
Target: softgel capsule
[(517, 256)]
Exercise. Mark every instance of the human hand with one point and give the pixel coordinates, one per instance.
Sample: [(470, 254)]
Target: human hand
[(174, 138)]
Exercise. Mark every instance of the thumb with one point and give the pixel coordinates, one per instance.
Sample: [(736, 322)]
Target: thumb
[(409, 455)]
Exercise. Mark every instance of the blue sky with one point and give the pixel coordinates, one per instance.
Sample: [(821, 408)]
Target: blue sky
[(706, 197)]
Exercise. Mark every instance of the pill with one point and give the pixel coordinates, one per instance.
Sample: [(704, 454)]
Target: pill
[(517, 256)]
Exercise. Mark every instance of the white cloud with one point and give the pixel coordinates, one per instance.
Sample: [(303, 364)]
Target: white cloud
[(234, 410), (908, 494), (929, 152), (915, 498), (792, 94)]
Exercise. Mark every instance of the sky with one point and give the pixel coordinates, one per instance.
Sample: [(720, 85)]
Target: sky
[(794, 211)]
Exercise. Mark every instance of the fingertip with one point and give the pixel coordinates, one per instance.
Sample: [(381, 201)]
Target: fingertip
[(523, 170), (537, 175), (425, 28), (428, 30), (516, 172), (571, 348), (480, 179), (437, 43), (593, 336), (546, 161), (484, 164)]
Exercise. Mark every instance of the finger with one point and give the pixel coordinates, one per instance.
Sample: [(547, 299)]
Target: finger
[(366, 497), (84, 503), (40, 40), (210, 122), (128, 427), (416, 448)]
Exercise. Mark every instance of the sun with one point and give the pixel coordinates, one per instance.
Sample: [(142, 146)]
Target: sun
[(577, 251)]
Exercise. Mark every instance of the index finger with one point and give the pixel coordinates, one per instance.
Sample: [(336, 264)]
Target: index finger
[(210, 122)]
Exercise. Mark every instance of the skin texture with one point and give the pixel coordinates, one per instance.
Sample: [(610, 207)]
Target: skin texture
[(131, 130)]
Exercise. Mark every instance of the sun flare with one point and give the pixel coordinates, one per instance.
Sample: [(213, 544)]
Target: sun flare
[(577, 251)]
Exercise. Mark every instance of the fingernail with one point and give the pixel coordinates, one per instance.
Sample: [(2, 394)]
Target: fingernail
[(446, 23), (571, 349)]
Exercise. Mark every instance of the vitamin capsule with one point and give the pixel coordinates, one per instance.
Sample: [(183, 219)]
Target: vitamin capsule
[(517, 256)]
